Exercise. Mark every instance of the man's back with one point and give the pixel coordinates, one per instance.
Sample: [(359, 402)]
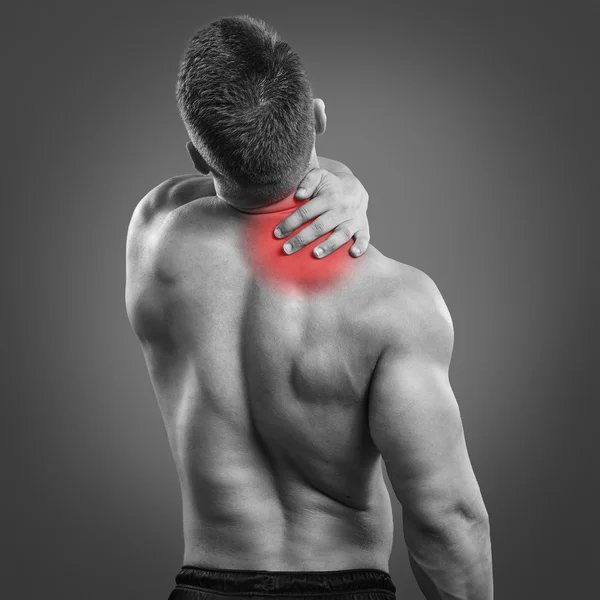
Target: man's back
[(264, 393)]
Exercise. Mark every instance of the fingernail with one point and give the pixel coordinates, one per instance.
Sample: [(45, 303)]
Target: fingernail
[(300, 192), (278, 232), (319, 251), (287, 247)]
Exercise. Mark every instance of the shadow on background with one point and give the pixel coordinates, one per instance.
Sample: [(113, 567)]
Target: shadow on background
[(473, 129)]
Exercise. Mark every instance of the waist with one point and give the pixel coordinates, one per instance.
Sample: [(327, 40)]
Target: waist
[(286, 583)]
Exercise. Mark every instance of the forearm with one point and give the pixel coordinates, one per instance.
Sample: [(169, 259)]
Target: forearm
[(453, 562)]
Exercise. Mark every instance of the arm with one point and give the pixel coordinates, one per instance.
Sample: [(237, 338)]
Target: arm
[(415, 423)]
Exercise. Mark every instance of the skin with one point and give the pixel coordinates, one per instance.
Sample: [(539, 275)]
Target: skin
[(262, 395), (278, 420), (338, 205)]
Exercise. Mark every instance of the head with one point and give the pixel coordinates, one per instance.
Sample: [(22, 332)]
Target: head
[(248, 108)]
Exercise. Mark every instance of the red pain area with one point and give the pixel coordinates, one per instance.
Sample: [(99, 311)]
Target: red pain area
[(298, 272)]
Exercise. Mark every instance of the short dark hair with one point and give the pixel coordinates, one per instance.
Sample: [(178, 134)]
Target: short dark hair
[(247, 104)]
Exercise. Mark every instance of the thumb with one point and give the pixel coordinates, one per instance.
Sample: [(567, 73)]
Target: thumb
[(308, 186)]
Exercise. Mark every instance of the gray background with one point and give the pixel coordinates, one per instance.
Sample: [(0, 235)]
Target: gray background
[(474, 130)]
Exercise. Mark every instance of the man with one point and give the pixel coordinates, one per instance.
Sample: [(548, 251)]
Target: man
[(282, 390)]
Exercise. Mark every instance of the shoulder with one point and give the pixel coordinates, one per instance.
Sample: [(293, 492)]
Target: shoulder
[(411, 316), (148, 286), (168, 196), (334, 166), (158, 208)]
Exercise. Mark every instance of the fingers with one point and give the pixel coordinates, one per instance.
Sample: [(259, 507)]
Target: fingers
[(341, 234), (329, 207), (308, 186), (361, 242), (310, 233), (317, 185), (307, 211)]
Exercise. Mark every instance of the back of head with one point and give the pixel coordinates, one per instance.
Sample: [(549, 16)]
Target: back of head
[(247, 105)]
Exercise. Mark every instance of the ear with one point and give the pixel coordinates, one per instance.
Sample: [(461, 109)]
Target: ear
[(197, 159), (320, 116)]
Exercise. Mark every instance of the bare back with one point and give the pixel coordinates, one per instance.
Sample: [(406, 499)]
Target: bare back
[(264, 395)]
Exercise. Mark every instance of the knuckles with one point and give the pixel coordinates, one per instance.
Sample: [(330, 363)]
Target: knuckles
[(345, 230), (297, 241), (303, 213), (318, 227)]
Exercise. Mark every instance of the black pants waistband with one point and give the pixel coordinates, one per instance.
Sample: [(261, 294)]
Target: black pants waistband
[(286, 583)]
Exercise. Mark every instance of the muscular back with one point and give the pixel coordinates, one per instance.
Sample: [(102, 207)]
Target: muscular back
[(264, 393)]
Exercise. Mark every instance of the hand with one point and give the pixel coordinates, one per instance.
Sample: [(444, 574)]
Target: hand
[(339, 201)]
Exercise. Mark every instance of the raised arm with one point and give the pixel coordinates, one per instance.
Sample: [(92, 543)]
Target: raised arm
[(415, 423)]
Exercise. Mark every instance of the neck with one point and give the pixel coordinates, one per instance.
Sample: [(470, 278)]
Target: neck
[(252, 204)]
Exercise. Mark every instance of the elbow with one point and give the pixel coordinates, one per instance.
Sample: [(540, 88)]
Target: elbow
[(473, 520), (460, 517), (473, 514)]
